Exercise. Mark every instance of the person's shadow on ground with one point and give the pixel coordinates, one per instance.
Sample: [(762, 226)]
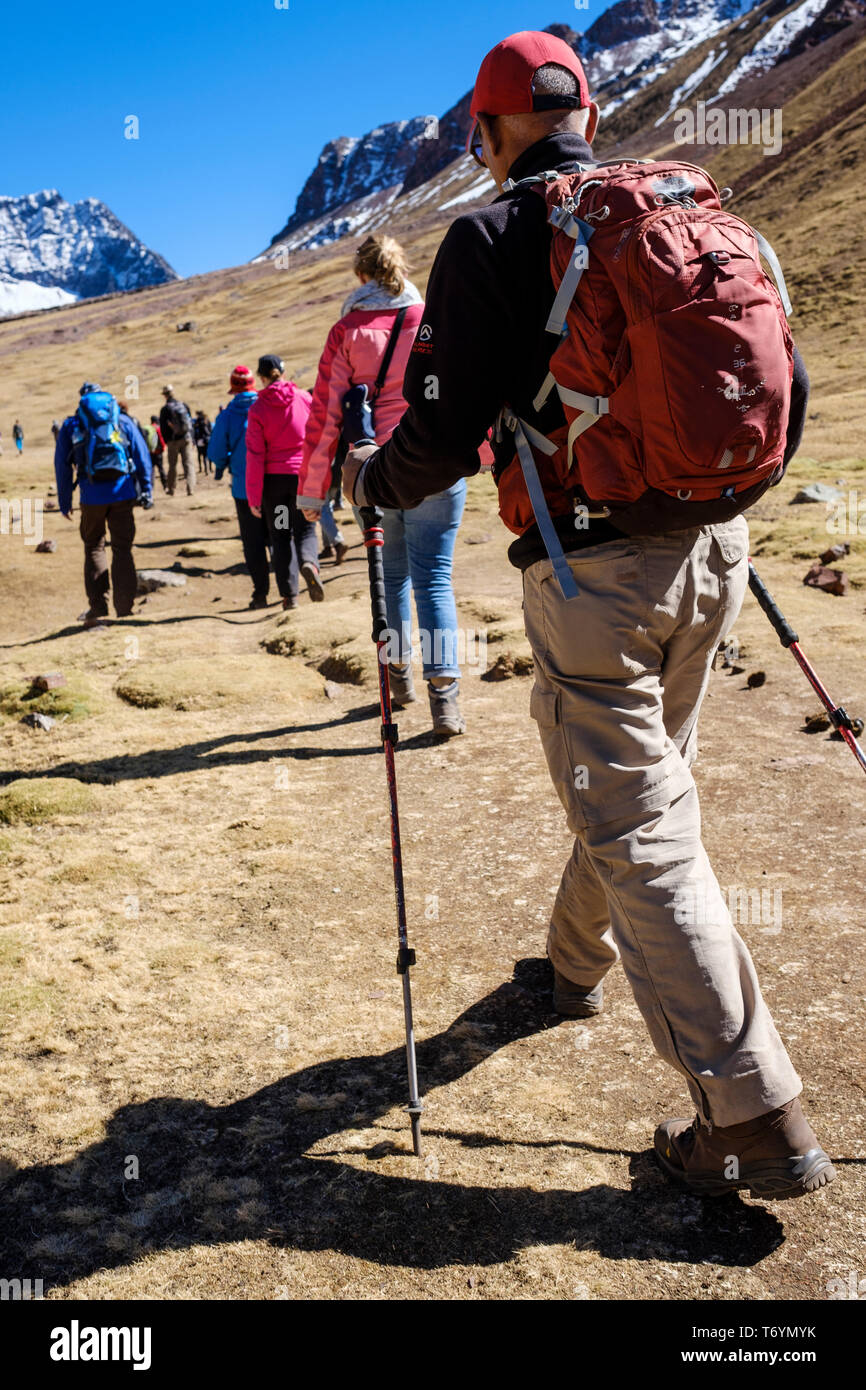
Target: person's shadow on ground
[(211, 1175)]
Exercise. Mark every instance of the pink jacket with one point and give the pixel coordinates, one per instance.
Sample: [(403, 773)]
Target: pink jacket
[(275, 434), (352, 356)]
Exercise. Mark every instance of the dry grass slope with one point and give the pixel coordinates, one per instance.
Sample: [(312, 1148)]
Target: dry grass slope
[(196, 939)]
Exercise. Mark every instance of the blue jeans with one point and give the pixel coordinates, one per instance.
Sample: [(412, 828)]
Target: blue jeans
[(330, 526), (418, 554)]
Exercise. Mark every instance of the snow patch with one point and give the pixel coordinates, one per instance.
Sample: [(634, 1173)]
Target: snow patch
[(23, 296)]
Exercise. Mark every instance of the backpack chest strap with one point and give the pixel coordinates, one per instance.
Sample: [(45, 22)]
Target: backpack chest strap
[(581, 231)]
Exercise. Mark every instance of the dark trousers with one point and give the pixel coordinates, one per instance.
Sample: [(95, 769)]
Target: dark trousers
[(156, 460), (120, 520), (293, 538), (203, 461), (254, 539)]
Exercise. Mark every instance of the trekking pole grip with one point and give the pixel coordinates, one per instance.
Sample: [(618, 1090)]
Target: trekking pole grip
[(374, 540), (782, 627)]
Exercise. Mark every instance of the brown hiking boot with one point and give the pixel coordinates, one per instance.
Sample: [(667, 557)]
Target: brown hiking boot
[(775, 1156), (313, 582), (576, 1001)]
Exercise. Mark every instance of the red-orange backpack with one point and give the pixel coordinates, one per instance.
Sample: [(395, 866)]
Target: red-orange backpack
[(674, 364)]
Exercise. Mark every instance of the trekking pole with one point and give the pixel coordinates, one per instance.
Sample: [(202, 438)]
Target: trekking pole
[(839, 718), (374, 539)]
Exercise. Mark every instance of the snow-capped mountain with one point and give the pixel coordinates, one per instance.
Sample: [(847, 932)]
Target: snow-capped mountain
[(53, 252), (350, 168), (628, 51)]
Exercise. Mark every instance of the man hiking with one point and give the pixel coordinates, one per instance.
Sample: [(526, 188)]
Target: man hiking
[(623, 621), (18, 436), (201, 430), (101, 450), (227, 449), (176, 427), (156, 447)]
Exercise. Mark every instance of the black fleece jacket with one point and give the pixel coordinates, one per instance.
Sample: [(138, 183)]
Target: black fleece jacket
[(483, 343)]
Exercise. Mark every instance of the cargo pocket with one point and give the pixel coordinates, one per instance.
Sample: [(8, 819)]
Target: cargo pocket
[(544, 707)]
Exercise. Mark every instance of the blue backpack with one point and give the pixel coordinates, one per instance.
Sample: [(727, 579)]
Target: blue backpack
[(100, 444)]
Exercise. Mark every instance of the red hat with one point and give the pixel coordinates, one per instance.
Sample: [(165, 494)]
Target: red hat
[(504, 83), (242, 380)]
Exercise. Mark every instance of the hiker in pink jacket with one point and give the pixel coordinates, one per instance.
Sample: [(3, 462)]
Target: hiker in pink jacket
[(419, 543), (275, 436)]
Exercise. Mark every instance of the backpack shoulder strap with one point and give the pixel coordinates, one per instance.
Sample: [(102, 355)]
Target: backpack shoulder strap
[(389, 352)]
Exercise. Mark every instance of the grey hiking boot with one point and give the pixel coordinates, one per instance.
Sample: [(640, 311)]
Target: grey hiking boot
[(402, 685), (775, 1156), (447, 719), (576, 1001)]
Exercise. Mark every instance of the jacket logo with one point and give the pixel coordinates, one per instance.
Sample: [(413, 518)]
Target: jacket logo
[(425, 333)]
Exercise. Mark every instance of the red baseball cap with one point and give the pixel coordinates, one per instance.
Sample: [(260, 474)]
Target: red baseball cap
[(503, 86)]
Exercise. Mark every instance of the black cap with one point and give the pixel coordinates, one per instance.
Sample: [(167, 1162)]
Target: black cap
[(270, 363), (87, 388)]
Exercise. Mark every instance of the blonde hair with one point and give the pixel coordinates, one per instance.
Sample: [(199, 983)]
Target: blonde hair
[(383, 259)]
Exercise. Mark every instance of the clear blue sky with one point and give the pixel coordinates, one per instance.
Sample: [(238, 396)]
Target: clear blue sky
[(235, 101)]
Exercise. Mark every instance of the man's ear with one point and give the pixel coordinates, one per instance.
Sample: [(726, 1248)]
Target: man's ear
[(491, 132), (591, 122)]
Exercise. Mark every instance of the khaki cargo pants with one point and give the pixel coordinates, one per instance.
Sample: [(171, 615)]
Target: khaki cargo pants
[(621, 671), (180, 449)]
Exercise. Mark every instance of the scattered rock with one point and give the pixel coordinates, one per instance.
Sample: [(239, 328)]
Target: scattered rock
[(343, 668), (508, 665), (756, 679), (39, 721), (383, 1149), (836, 552), (817, 492), (46, 547), (52, 680), (187, 327), (150, 580), (816, 723), (332, 689), (856, 729), (827, 580), (477, 540)]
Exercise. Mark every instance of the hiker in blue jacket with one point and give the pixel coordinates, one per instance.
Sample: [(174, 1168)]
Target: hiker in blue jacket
[(227, 449), (108, 495)]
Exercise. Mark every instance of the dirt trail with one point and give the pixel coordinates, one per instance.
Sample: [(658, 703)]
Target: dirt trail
[(202, 1073)]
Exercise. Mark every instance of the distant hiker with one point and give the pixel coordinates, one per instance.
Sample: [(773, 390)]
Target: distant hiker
[(156, 447), (228, 449), (275, 438), (334, 541), (630, 586), (55, 429), (124, 410), (176, 426), (201, 431), (385, 311), (18, 436), (102, 452)]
